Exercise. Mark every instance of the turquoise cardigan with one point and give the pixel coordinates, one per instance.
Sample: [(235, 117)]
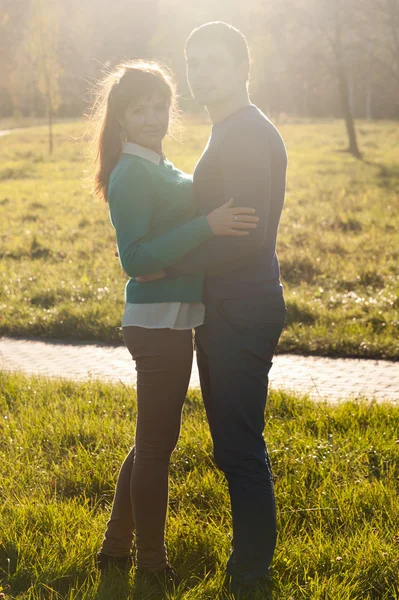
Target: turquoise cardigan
[(153, 210)]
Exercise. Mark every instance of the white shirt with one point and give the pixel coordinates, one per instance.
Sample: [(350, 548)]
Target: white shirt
[(168, 315)]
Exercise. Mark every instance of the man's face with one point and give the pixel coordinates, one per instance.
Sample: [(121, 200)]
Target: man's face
[(146, 122), (213, 74)]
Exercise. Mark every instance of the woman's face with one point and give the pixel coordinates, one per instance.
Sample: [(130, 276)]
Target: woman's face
[(146, 122)]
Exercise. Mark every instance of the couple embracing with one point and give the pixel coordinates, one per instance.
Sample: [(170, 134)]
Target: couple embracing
[(201, 254)]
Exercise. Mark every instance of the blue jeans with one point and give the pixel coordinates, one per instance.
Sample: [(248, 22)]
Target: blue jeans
[(235, 347)]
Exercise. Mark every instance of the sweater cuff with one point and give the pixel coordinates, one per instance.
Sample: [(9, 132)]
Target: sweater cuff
[(171, 273), (201, 230)]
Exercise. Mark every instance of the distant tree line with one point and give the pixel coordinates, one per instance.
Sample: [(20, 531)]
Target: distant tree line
[(311, 58)]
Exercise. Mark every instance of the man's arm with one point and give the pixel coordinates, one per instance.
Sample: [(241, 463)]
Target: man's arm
[(246, 170)]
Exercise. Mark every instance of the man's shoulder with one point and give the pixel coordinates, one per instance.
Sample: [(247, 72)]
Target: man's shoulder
[(253, 123), (252, 131)]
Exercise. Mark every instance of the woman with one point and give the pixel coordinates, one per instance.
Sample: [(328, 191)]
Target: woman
[(152, 209)]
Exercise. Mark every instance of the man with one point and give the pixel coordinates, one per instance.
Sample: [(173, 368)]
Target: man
[(244, 159)]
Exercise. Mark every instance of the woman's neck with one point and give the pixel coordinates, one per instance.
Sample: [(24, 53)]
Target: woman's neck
[(157, 148)]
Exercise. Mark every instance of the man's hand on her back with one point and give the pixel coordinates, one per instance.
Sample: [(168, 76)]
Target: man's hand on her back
[(151, 277)]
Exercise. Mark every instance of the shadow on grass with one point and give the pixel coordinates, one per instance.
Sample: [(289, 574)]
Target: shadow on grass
[(75, 584), (298, 270), (300, 313), (388, 175), (114, 586), (23, 581), (354, 154)]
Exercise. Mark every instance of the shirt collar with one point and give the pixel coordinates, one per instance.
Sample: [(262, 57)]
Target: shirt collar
[(146, 153)]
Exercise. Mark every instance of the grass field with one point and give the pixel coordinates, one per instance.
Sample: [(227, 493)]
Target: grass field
[(338, 241), (336, 472)]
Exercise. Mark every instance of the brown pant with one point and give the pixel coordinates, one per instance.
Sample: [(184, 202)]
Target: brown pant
[(163, 362)]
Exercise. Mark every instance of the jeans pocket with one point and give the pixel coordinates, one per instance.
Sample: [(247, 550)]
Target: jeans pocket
[(244, 314)]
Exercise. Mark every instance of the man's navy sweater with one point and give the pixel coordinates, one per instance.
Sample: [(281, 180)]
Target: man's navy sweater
[(245, 158)]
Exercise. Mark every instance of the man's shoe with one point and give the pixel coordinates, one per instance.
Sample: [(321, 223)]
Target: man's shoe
[(167, 577), (253, 589), (119, 563)]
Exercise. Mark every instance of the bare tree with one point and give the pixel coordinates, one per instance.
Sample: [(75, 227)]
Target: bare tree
[(42, 44), (310, 57), (340, 19), (380, 23), (331, 26)]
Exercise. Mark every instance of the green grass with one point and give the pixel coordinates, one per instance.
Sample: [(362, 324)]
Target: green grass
[(338, 239), (336, 470)]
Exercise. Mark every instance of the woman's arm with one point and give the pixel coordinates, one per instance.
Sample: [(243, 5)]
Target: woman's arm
[(131, 204), (132, 207)]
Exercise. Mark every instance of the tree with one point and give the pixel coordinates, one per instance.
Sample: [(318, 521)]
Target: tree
[(317, 58), (380, 23), (42, 44), (13, 16), (333, 31), (339, 21)]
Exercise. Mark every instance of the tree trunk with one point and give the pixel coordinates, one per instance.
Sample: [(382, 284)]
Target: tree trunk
[(50, 127), (346, 109), (369, 101)]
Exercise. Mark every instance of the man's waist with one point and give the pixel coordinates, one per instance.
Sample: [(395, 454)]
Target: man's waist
[(258, 273), (216, 288)]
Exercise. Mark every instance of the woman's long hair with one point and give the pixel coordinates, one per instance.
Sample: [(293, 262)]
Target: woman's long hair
[(129, 83)]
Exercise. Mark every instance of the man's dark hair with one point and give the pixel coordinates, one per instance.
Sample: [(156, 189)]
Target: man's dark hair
[(218, 31)]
